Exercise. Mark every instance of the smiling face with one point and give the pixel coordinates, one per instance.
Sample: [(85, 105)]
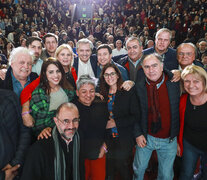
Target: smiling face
[(86, 94), (68, 130), (111, 76), (134, 50), (162, 42), (193, 84), (36, 47), (65, 57), (21, 66), (84, 52), (53, 75), (103, 56), (152, 67), (185, 55)]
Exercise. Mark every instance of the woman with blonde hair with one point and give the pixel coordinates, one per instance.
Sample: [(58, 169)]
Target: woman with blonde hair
[(192, 142)]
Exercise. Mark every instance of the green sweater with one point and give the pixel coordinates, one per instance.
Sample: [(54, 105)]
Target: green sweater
[(39, 105)]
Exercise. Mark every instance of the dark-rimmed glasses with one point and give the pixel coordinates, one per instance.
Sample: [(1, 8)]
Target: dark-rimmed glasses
[(69, 121)]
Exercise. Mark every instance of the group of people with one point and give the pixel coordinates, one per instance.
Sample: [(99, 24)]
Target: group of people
[(95, 116)]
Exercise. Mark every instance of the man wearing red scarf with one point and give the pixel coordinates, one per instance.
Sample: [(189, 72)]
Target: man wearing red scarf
[(159, 124)]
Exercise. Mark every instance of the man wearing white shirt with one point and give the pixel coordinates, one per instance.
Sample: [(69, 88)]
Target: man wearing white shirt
[(85, 63), (118, 50)]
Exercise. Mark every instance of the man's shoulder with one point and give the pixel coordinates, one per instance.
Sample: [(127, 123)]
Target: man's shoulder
[(148, 50), (171, 51), (42, 145), (123, 60), (33, 76), (198, 63), (121, 68), (7, 93)]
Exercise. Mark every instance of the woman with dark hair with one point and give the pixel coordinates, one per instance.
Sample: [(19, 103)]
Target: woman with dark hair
[(52, 91), (64, 55), (123, 108), (8, 49)]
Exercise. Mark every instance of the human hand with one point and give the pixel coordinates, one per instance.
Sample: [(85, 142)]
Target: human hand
[(176, 75), (103, 150), (178, 151), (127, 85), (46, 133), (141, 141), (8, 166), (110, 123), (3, 73), (28, 120), (99, 95), (10, 173)]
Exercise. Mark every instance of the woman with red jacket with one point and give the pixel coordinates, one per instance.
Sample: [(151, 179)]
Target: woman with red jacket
[(192, 142)]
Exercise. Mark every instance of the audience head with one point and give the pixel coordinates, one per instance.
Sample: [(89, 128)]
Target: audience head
[(202, 46), (194, 80), (52, 75), (86, 89), (21, 60), (50, 41), (67, 120), (119, 44), (35, 44), (162, 40), (204, 58), (104, 54), (84, 49), (134, 48), (64, 54), (186, 54), (152, 65), (110, 76), (150, 43)]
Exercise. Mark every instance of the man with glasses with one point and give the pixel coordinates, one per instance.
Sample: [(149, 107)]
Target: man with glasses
[(159, 124), (186, 55), (58, 156)]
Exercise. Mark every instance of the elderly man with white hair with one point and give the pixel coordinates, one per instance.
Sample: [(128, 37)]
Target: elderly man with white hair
[(19, 73)]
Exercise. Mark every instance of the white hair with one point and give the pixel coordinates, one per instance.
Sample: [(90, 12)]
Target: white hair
[(20, 50)]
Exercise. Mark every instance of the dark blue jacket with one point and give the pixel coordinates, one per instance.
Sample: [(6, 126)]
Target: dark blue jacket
[(141, 127), (170, 58), (14, 136)]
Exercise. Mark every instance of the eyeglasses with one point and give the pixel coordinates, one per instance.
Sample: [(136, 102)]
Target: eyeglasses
[(187, 54), (106, 75), (68, 121)]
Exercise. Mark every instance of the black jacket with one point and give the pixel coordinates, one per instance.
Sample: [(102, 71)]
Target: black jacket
[(126, 112), (92, 127), (14, 136), (141, 127)]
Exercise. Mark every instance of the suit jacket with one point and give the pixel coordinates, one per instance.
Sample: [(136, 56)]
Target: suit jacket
[(93, 61)]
